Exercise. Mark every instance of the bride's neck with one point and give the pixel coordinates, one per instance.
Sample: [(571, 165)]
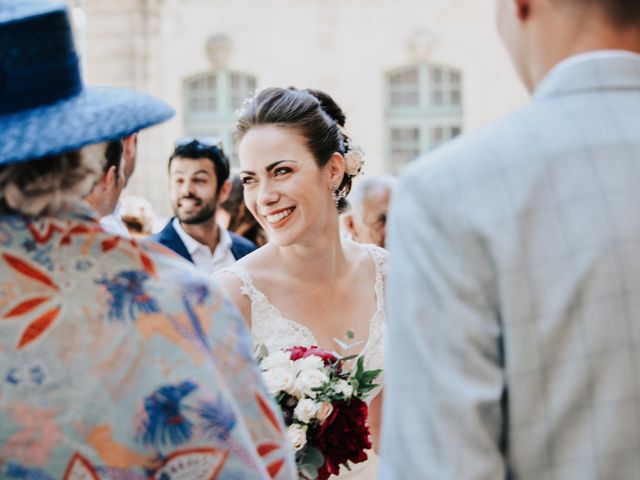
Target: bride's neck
[(322, 260)]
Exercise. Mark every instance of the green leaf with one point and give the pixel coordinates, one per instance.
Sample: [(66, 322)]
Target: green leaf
[(260, 352), (308, 471), (348, 357)]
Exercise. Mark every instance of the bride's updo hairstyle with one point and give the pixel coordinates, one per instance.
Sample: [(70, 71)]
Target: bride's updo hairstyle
[(313, 114)]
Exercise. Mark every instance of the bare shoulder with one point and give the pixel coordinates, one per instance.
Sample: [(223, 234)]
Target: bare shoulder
[(236, 280), (363, 253), (230, 280)]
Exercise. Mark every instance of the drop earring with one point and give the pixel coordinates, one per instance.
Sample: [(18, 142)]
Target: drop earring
[(337, 194)]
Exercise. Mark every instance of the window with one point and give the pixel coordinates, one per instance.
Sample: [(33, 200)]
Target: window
[(211, 100), (405, 145), (423, 110)]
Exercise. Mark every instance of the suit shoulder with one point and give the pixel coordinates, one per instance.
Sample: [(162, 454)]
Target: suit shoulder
[(160, 236), (243, 243)]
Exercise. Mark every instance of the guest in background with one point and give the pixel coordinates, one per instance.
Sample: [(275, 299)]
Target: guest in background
[(366, 220), (112, 221), (198, 184), (234, 215), (104, 195), (138, 215)]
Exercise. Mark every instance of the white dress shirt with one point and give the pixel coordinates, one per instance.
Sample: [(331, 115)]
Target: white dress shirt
[(201, 254), (113, 223)]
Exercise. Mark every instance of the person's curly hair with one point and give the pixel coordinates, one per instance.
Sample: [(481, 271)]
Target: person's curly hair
[(41, 187)]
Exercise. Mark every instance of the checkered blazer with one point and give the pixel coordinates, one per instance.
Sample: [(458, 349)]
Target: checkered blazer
[(514, 292)]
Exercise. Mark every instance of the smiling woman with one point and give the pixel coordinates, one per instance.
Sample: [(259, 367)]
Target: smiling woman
[(292, 149)]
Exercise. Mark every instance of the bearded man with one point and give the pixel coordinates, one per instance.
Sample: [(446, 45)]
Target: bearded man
[(198, 184)]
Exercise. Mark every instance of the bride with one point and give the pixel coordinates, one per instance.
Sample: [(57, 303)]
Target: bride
[(308, 285)]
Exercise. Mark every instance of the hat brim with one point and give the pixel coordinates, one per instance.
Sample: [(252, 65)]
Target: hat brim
[(98, 114)]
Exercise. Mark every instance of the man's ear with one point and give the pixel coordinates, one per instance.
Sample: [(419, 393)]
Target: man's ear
[(523, 9), (109, 179), (225, 191)]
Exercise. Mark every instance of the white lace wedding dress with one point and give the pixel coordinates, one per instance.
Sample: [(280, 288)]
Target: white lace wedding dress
[(275, 332)]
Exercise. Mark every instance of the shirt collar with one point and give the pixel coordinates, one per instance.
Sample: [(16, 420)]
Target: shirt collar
[(595, 55), (192, 245), (591, 71)]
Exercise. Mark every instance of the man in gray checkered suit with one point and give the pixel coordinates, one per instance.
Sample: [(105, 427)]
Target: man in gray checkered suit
[(514, 291)]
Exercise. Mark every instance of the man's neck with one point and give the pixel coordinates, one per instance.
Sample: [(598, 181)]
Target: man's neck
[(207, 233), (592, 36), (100, 207)]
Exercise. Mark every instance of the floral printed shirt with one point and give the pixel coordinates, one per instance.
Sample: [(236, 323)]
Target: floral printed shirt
[(122, 361)]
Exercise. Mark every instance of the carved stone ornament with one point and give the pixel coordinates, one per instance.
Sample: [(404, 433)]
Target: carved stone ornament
[(422, 44), (218, 49)]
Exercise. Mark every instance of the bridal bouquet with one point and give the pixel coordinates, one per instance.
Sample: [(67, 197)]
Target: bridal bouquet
[(322, 405)]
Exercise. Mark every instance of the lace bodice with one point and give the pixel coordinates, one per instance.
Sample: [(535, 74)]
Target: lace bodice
[(271, 329)]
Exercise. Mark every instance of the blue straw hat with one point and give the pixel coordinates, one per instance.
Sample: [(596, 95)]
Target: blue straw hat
[(45, 109)]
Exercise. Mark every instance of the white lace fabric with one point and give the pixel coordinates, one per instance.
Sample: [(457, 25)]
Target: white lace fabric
[(271, 329)]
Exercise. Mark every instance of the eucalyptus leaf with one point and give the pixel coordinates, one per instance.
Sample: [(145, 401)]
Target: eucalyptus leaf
[(308, 471)]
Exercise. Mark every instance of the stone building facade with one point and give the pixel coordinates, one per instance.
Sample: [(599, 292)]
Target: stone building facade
[(410, 74)]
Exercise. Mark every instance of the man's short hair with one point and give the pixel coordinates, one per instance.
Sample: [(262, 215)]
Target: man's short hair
[(621, 13), (195, 149), (363, 188), (113, 154)]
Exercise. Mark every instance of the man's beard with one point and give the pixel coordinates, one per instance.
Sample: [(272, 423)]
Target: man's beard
[(207, 212)]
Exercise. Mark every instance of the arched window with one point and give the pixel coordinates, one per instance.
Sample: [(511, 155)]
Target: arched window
[(211, 100), (423, 110)]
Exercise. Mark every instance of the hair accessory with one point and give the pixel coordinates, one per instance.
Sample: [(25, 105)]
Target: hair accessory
[(353, 154), (45, 108), (353, 158)]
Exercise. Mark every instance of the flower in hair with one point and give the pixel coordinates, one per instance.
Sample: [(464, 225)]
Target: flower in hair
[(353, 158)]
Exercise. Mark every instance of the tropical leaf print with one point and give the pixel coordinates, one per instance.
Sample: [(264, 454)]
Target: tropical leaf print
[(15, 471), (268, 449), (165, 421), (193, 464), (80, 468), (110, 244), (24, 268), (268, 412), (37, 327), (217, 419), (25, 306), (128, 293), (43, 231)]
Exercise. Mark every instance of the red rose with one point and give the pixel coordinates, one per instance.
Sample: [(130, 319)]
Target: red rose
[(343, 437), (327, 357), (296, 353)]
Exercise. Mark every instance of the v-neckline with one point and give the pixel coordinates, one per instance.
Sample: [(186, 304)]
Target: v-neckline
[(306, 330)]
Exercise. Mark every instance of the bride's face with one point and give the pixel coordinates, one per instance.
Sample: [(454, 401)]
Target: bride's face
[(286, 191)]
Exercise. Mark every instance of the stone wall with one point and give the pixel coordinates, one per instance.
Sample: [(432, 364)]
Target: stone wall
[(343, 47)]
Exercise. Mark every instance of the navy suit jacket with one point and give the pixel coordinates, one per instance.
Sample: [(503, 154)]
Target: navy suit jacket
[(168, 237)]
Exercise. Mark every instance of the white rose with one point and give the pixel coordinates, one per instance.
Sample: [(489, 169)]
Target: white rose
[(343, 387), (278, 380), (324, 410), (311, 362), (307, 380), (276, 359), (297, 436), (306, 410)]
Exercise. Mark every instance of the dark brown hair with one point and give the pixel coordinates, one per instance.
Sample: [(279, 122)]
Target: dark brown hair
[(313, 113), (621, 13)]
